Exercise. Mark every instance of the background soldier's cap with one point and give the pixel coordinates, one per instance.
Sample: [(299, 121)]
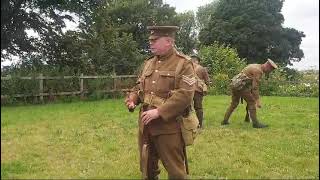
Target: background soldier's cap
[(194, 56), (162, 31), (271, 63)]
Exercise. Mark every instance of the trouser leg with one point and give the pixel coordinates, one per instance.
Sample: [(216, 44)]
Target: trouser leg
[(255, 122), (247, 118), (234, 103), (153, 163), (149, 159), (251, 104), (170, 151), (198, 97)]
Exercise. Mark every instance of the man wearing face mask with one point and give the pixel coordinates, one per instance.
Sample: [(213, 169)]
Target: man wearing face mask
[(246, 85), (165, 90)]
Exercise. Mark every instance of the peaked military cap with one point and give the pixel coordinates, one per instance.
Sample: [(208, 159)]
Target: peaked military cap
[(162, 31), (271, 63), (195, 57)]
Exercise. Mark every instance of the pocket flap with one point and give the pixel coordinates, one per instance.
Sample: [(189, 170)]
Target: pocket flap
[(166, 73)]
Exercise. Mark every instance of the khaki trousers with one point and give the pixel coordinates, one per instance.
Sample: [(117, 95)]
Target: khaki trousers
[(197, 99), (251, 104), (169, 149)]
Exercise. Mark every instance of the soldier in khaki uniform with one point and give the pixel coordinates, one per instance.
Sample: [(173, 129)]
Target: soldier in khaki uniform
[(246, 85), (201, 87), (165, 89)]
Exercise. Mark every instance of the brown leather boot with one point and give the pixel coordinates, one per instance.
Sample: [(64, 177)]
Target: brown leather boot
[(199, 113), (255, 122), (224, 122), (227, 116)]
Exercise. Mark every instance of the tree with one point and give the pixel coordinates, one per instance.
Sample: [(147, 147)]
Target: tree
[(115, 36), (133, 17), (45, 17), (186, 37), (204, 14), (255, 29), (112, 35)]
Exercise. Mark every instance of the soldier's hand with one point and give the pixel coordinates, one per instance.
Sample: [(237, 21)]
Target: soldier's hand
[(150, 115), (131, 105), (129, 102)]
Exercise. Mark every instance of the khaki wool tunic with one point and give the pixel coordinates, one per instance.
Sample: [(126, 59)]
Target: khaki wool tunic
[(255, 72), (158, 78), (202, 73)]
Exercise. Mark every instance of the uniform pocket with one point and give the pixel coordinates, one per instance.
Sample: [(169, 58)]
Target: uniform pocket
[(166, 81), (146, 80)]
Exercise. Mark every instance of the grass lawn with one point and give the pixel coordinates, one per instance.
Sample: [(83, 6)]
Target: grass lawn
[(97, 139)]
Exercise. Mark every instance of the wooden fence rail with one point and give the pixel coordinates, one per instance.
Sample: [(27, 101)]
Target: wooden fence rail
[(81, 91), (41, 94)]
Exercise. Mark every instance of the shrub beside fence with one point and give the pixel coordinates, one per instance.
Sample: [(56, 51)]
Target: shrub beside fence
[(40, 88), (220, 85), (290, 88)]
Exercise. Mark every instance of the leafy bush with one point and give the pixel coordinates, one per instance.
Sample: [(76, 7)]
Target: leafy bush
[(269, 85), (282, 83), (220, 84), (276, 84), (222, 63), (221, 59), (61, 85), (16, 85), (92, 85), (303, 89)]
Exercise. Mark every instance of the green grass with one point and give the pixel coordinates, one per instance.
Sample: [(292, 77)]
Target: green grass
[(97, 139)]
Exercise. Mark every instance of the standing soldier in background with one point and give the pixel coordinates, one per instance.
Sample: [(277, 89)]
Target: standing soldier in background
[(165, 89), (201, 89), (246, 85)]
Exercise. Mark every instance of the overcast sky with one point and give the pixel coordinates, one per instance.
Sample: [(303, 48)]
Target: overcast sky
[(302, 15)]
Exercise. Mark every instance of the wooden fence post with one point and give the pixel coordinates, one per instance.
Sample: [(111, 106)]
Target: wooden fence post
[(114, 82), (81, 86), (114, 78), (41, 86), (117, 87)]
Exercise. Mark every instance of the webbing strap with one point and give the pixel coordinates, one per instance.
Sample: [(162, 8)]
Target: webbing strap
[(148, 64), (178, 70)]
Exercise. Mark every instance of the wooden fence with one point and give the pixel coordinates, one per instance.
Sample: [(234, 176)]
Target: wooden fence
[(81, 91), (114, 87)]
